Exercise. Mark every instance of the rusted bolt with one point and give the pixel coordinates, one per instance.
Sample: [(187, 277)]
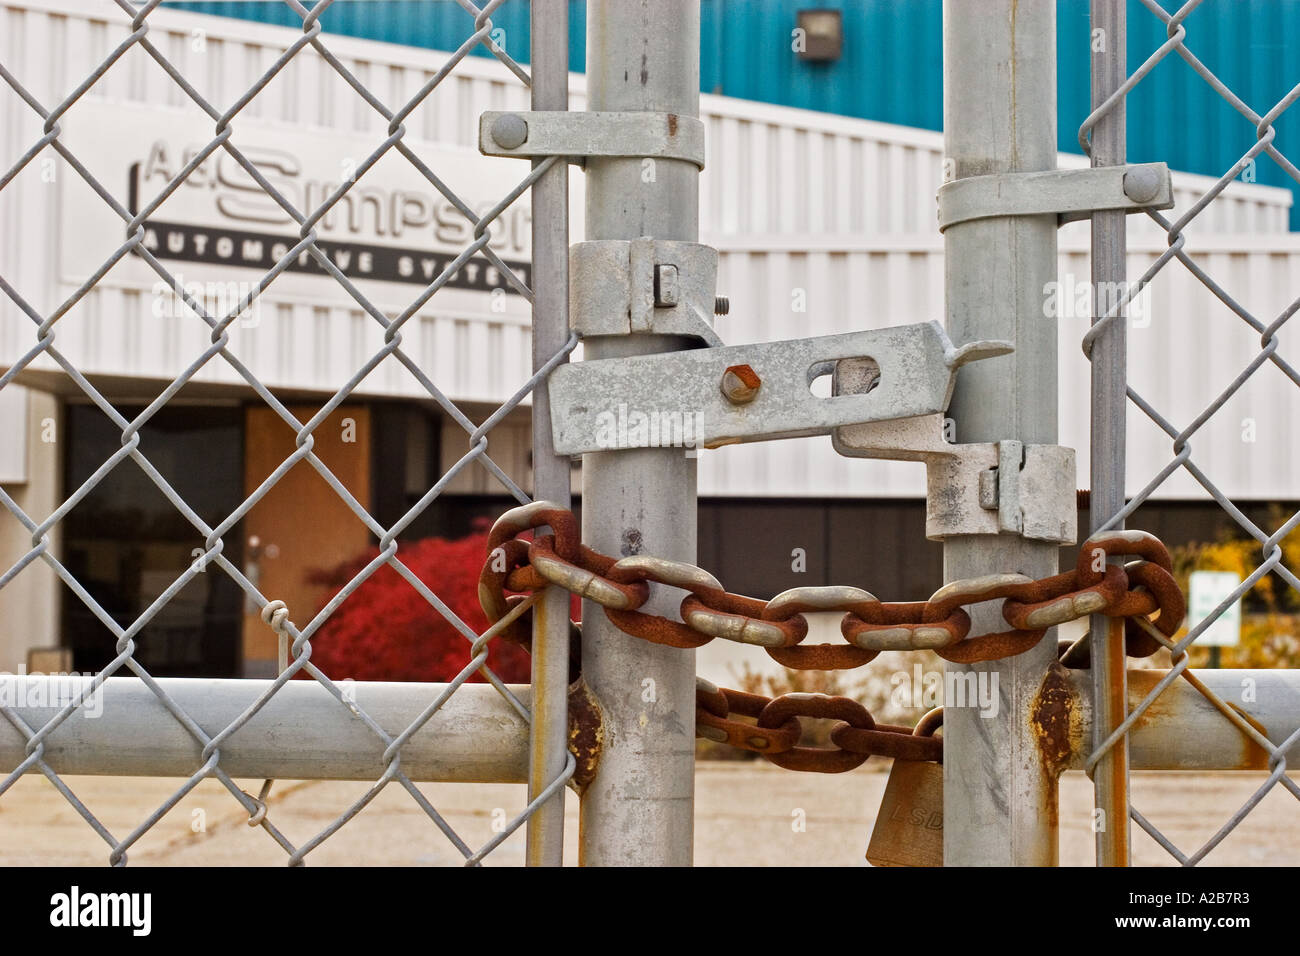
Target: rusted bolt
[(509, 131), (721, 305), (740, 384)]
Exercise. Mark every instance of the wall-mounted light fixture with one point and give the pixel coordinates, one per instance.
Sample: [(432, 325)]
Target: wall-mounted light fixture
[(822, 34)]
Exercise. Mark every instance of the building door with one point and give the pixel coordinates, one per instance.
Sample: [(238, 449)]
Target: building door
[(126, 543), (301, 527)]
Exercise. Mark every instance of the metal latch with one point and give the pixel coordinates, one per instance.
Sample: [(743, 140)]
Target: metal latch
[(704, 398), (620, 287), (577, 135), (1070, 194), (977, 488)]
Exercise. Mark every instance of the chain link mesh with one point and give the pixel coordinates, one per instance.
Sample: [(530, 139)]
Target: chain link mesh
[(132, 23), (1179, 44)]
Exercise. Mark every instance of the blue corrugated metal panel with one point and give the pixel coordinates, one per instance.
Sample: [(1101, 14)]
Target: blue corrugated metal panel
[(891, 69)]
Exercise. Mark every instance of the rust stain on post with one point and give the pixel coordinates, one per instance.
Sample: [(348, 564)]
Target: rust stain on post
[(1111, 775), (1056, 720), (586, 733)]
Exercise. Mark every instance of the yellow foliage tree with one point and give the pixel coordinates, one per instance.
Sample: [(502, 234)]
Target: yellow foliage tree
[(1270, 628)]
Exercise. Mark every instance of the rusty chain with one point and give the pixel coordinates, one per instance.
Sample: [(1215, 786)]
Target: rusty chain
[(776, 729), (1133, 590), (620, 586)]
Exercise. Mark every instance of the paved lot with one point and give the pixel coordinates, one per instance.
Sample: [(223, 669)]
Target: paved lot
[(744, 815)]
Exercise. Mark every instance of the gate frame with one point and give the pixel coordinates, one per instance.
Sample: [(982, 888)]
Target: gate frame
[(639, 809), (999, 73)]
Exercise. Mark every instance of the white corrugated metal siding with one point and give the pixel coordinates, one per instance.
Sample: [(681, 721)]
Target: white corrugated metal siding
[(794, 172), (842, 209)]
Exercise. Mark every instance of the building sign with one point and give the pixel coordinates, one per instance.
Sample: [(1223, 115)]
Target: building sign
[(259, 250), (392, 226)]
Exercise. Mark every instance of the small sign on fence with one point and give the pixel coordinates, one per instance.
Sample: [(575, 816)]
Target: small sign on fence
[(1208, 591)]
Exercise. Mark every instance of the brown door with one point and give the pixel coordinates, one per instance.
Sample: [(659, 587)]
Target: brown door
[(301, 524)]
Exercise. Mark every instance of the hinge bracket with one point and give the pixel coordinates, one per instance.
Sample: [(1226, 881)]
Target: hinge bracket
[(659, 286)]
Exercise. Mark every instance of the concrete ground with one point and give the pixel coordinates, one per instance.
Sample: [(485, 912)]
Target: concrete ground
[(744, 816)]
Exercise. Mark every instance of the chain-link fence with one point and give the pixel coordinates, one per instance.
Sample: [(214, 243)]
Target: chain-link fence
[(127, 27), (1117, 381)]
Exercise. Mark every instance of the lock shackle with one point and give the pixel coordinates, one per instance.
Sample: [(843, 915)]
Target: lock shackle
[(930, 722)]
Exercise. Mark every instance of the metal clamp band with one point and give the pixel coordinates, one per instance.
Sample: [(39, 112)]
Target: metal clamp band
[(525, 134), (1069, 194)]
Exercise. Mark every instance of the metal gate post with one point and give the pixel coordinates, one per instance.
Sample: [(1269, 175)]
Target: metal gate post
[(549, 734), (1107, 458), (1000, 117), (639, 809)]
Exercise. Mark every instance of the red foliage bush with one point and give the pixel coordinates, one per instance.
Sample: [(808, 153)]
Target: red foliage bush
[(387, 630)]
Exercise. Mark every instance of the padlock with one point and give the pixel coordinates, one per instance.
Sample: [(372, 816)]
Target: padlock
[(909, 826)]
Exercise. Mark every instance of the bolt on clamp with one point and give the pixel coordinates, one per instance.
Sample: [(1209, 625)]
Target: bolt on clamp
[(576, 135), (1069, 194)]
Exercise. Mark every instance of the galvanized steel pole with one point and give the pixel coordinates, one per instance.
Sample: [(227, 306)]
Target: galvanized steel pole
[(548, 738), (639, 809), (1000, 117), (1109, 404)]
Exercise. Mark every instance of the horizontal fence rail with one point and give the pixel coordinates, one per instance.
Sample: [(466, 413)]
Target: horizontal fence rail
[(478, 738), (300, 734)]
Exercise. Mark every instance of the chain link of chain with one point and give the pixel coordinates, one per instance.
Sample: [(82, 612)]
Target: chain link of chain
[(777, 728), (1139, 588), (1095, 585)]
